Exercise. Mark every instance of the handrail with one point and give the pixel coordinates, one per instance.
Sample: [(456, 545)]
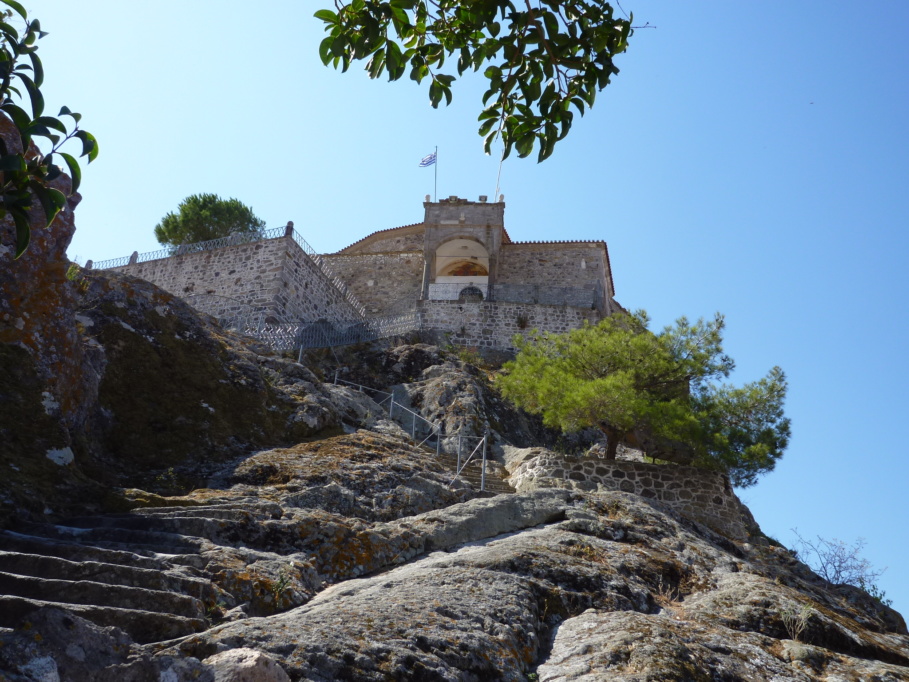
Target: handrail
[(467, 461), (436, 429)]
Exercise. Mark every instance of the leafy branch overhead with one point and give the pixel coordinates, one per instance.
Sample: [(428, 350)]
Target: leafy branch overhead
[(27, 175), (544, 60)]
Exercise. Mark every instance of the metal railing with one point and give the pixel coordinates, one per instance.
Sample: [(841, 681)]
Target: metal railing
[(300, 336), (435, 429)]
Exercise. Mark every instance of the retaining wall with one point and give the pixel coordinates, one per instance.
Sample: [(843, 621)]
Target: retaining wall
[(702, 495), (494, 324), (274, 276)]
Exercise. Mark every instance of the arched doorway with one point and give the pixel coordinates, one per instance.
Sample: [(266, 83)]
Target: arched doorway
[(459, 263)]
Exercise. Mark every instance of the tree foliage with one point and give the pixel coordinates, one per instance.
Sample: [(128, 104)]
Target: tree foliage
[(201, 217), (27, 175), (621, 378), (544, 60)]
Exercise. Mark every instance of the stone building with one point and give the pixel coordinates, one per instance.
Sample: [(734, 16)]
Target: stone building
[(458, 273), (466, 276)]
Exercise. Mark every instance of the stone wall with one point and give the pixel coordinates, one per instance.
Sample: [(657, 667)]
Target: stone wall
[(402, 239), (274, 276), (563, 265), (384, 283), (702, 495), (494, 325)]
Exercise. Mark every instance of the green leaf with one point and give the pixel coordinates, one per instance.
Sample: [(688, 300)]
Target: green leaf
[(16, 6), (38, 68), (51, 122), (9, 30), (327, 16), (18, 114), (34, 94), (75, 172), (89, 145), (325, 53), (525, 145), (23, 230), (51, 200), (12, 162)]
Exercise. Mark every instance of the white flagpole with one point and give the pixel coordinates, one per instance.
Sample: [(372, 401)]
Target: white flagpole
[(435, 188)]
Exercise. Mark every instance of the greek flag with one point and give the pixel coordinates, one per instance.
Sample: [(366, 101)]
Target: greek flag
[(428, 160)]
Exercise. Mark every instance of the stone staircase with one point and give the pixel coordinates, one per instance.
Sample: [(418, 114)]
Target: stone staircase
[(473, 474), (127, 571)]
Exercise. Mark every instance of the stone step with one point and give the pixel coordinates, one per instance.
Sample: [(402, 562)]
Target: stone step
[(33, 544), (143, 626), (127, 539), (225, 510), (111, 574), (472, 473), (100, 594)]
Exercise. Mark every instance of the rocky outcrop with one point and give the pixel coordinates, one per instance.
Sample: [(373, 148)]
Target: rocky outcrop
[(194, 508)]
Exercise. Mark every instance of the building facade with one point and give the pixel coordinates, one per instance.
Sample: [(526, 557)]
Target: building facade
[(458, 273)]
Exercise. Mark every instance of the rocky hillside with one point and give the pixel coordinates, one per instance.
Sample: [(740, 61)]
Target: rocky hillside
[(187, 506)]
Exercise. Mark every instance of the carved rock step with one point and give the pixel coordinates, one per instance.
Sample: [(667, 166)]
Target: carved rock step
[(34, 544), (100, 594), (109, 573), (127, 539), (142, 626), (136, 518), (232, 510)]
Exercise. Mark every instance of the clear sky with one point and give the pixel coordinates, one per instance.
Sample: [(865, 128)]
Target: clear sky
[(751, 158)]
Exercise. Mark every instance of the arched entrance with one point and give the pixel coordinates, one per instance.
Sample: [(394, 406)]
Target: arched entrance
[(459, 263)]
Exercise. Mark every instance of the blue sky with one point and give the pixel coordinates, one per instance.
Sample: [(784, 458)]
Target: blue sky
[(750, 158)]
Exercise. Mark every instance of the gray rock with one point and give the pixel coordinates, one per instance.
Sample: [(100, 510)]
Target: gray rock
[(245, 665)]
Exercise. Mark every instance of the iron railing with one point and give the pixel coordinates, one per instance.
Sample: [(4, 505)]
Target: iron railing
[(328, 334)]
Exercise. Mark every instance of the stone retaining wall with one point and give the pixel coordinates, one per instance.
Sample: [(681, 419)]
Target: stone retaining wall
[(702, 495), (274, 276), (494, 325)]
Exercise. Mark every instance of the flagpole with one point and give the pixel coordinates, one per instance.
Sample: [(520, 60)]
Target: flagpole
[(435, 188)]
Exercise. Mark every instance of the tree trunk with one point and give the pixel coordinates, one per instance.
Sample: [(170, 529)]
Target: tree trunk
[(612, 442)]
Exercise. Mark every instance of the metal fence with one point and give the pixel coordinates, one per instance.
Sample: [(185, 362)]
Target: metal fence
[(326, 333)]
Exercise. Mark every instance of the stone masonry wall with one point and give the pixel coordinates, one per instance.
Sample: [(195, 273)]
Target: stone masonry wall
[(552, 264), (394, 242), (274, 275), (384, 283), (494, 325), (702, 495)]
